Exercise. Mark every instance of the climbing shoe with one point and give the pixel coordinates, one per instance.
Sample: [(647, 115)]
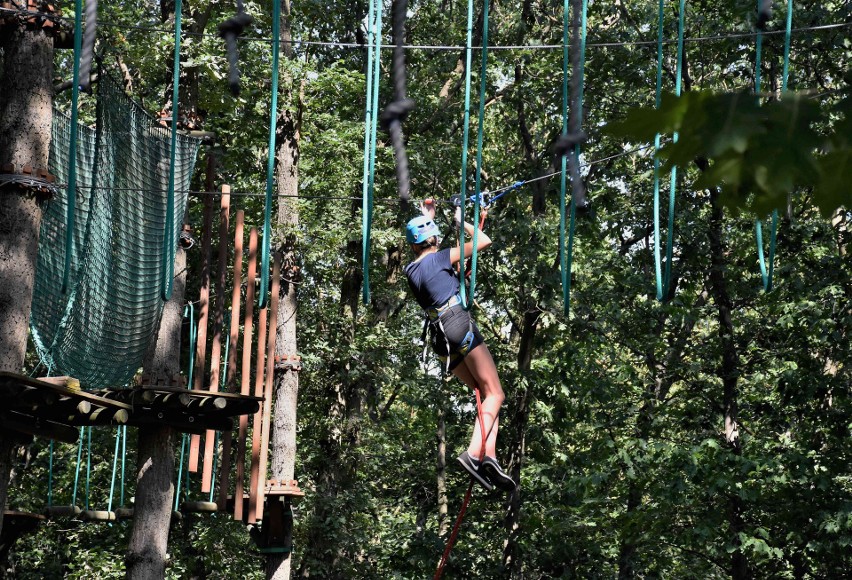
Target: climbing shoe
[(496, 475), (473, 467)]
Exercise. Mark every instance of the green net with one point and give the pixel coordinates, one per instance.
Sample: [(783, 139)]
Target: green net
[(100, 329)]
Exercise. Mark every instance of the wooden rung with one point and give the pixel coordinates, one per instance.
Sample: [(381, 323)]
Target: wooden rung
[(202, 507), (124, 513), (62, 511), (98, 516)]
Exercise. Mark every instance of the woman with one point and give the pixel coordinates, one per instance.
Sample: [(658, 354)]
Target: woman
[(455, 337)]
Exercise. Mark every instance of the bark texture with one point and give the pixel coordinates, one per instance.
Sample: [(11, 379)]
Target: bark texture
[(147, 551), (286, 381), (26, 114)]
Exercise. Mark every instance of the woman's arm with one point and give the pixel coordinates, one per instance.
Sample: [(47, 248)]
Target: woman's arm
[(482, 242)]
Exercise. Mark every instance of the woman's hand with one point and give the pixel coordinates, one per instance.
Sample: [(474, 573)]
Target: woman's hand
[(427, 208)]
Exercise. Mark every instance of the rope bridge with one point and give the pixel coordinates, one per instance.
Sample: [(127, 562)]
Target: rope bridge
[(99, 330)]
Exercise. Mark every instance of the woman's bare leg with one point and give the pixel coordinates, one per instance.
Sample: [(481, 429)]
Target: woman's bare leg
[(478, 371)]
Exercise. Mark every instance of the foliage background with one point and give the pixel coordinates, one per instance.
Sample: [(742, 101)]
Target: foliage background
[(615, 418)]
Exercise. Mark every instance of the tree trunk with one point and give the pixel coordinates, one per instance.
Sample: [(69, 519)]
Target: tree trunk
[(147, 550), (729, 373), (286, 380), (26, 115), (442, 473)]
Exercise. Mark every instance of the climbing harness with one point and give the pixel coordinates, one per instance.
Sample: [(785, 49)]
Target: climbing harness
[(396, 112), (433, 325), (229, 30), (764, 11), (374, 43), (663, 279), (263, 290)]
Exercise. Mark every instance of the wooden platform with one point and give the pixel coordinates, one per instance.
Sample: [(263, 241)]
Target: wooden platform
[(53, 407), (185, 410)]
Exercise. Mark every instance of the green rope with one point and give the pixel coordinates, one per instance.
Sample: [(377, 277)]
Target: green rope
[(658, 269), (88, 463), (224, 374), (766, 274), (72, 153), (467, 304), (371, 118), (114, 468), (188, 312), (564, 264), (480, 130), (673, 181), (123, 460), (180, 470), (566, 251), (263, 291), (77, 471), (169, 233)]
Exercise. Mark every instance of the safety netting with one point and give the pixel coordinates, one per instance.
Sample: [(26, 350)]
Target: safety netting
[(99, 329)]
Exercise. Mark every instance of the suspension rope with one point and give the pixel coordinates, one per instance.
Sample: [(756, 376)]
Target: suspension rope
[(88, 47), (226, 323), (88, 463), (123, 460), (169, 233), (465, 303), (567, 147), (763, 15), (263, 290), (114, 468), (396, 112), (77, 471), (673, 178), (658, 269), (374, 32), (188, 312), (72, 149)]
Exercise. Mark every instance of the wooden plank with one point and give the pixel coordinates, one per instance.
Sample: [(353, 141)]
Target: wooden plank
[(218, 321), (204, 314), (38, 427), (245, 377), (257, 422), (271, 339), (225, 471), (182, 423)]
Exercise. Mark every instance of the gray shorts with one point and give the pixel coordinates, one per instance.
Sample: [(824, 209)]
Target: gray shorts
[(455, 336)]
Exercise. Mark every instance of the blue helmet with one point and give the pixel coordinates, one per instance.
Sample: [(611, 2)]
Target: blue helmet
[(420, 229)]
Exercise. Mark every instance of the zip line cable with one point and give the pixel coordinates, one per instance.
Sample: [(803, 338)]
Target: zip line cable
[(504, 189), (444, 47)]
